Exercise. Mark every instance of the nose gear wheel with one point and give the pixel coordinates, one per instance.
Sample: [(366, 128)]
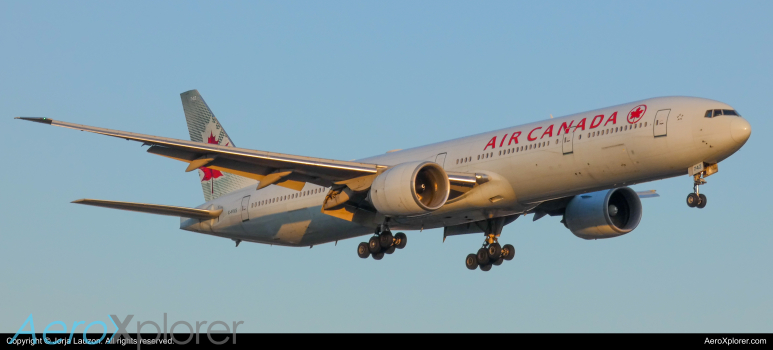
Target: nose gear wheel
[(697, 199)]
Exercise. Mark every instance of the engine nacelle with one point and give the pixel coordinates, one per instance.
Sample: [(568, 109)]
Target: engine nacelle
[(410, 189), (603, 214)]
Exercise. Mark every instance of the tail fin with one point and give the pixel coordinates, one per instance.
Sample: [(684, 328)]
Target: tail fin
[(204, 127)]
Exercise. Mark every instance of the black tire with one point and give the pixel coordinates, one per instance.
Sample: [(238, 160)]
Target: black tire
[(703, 201), (482, 256), (485, 267), (499, 261), (378, 256), (494, 251), (401, 240), (390, 250), (692, 200), (373, 245), (363, 251), (386, 239), (471, 262), (508, 252)]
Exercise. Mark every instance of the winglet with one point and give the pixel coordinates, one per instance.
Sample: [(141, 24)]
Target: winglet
[(37, 120)]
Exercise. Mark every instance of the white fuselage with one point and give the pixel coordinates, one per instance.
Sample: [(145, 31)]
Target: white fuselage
[(526, 165)]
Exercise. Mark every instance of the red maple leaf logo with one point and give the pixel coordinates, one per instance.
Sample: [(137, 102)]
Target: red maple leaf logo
[(636, 114), (211, 174)]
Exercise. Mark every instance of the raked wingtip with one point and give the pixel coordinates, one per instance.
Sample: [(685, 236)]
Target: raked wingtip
[(37, 120)]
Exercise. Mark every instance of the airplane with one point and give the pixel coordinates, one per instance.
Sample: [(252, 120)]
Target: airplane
[(578, 167)]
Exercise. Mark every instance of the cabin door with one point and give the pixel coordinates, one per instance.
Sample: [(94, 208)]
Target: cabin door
[(441, 159), (246, 208), (567, 143), (661, 120)]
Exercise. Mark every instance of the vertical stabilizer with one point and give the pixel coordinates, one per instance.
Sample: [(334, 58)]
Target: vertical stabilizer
[(204, 127)]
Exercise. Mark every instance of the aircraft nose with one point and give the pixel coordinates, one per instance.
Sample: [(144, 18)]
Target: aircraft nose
[(740, 130)]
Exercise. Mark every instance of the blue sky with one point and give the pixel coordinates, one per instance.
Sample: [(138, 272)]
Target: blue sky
[(347, 80)]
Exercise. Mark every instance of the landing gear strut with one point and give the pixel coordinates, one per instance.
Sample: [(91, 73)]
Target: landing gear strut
[(697, 199), (491, 253), (382, 242)]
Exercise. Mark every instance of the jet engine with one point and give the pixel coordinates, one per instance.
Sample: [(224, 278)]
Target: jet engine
[(410, 189), (603, 214)]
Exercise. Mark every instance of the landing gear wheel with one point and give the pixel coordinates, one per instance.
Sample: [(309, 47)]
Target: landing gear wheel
[(482, 257), (499, 261), (401, 239), (508, 252), (363, 251), (373, 245), (378, 256), (485, 267), (692, 200), (471, 262), (702, 202), (494, 251), (390, 250), (385, 239)]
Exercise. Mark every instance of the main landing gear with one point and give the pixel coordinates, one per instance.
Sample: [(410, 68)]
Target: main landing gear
[(382, 242), (697, 199), (491, 253)]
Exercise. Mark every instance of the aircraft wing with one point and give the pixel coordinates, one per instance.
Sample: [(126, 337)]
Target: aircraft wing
[(269, 168), (154, 208)]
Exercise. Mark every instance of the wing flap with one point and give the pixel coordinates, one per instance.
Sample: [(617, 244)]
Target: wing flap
[(153, 208), (647, 194)]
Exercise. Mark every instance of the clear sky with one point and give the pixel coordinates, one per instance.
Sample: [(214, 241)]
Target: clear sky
[(347, 80)]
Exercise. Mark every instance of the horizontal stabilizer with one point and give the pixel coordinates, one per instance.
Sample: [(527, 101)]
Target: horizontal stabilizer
[(154, 208), (647, 194)]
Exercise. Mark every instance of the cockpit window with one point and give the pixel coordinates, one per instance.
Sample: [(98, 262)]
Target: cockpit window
[(711, 113)]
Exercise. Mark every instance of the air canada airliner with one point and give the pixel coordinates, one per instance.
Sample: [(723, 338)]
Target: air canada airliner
[(578, 167)]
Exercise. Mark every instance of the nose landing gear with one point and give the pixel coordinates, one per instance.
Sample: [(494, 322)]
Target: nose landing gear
[(697, 199), (382, 242)]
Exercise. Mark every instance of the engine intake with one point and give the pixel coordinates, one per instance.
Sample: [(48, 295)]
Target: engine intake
[(410, 189), (603, 214)]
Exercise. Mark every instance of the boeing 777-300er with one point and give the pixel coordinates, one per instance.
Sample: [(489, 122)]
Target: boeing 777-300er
[(577, 167)]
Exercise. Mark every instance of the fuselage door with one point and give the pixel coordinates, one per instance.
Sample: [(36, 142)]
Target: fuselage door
[(441, 159), (246, 208), (661, 120), (567, 143)]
